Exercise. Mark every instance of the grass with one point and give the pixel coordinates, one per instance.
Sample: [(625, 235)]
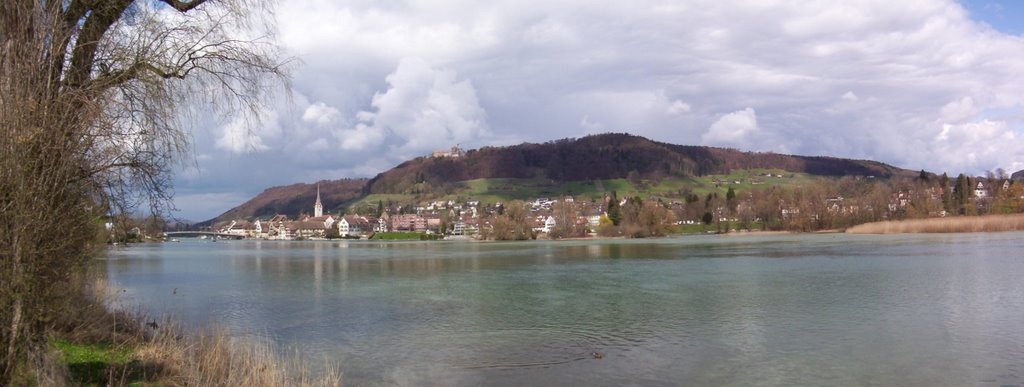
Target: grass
[(987, 223), (369, 202), (100, 346), (499, 190), (96, 364), (397, 236)]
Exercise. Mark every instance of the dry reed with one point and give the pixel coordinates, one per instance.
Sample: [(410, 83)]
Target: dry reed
[(987, 223), (168, 354), (212, 357)]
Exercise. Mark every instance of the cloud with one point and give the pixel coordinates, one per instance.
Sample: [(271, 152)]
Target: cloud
[(958, 110), (734, 129), (591, 126), (321, 114), (982, 145), (239, 137), (678, 107), (422, 109), (385, 81)]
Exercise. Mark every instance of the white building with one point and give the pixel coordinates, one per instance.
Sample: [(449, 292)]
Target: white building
[(549, 224)]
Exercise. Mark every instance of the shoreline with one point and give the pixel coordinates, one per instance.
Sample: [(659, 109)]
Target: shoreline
[(957, 224), (952, 224)]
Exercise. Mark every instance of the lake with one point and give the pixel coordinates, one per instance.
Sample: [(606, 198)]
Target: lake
[(825, 309)]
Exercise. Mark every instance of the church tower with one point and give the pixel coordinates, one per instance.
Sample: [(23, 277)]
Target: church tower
[(318, 208)]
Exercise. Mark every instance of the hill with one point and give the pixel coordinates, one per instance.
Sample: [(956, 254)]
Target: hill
[(592, 163), (1019, 175), (604, 156), (294, 199)]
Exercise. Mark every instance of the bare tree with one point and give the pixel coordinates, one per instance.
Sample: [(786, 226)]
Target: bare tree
[(566, 215), (512, 224), (95, 96)]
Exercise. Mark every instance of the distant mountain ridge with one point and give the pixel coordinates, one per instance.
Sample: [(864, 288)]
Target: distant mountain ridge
[(294, 199), (603, 156)]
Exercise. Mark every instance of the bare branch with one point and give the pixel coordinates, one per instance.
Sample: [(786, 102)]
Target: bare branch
[(182, 5)]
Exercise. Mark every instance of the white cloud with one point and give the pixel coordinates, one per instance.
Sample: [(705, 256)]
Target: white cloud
[(422, 109), (384, 81), (734, 129), (958, 110), (981, 146), (678, 107), (239, 136), (592, 126), (321, 114), (362, 137)]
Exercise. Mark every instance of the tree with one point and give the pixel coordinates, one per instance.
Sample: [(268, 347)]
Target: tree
[(565, 215), (93, 99), (707, 218), (962, 194), (513, 224), (730, 200), (654, 220), (614, 211)]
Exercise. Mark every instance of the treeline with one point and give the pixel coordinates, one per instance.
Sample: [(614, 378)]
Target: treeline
[(844, 202)]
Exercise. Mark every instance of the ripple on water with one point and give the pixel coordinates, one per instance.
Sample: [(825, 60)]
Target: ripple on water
[(532, 347)]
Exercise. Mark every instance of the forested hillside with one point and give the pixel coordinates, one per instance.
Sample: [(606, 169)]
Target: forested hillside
[(591, 158), (294, 199), (606, 156)]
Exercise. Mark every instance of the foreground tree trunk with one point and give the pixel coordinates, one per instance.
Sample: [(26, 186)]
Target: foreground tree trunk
[(94, 96)]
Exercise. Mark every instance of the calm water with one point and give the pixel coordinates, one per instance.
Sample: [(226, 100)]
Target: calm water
[(750, 310)]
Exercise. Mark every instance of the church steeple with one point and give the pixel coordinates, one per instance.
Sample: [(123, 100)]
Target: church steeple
[(318, 208)]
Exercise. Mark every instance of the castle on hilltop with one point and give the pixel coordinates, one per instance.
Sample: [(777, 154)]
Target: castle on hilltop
[(455, 152)]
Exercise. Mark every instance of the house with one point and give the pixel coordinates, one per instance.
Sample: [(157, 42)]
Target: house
[(307, 229), (353, 225), (273, 228), (408, 222), (326, 220), (383, 224), (258, 228), (433, 224), (314, 226), (980, 191), (549, 224), (290, 230), (834, 204)]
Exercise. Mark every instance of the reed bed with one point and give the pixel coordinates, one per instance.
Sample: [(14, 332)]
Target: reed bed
[(166, 353), (212, 357), (958, 224)]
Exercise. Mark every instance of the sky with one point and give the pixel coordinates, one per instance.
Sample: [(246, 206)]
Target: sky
[(919, 84)]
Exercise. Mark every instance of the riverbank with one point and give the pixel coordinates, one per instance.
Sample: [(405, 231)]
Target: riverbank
[(95, 344), (986, 223)]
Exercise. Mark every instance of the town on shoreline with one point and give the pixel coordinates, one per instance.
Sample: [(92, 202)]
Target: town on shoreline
[(814, 207)]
